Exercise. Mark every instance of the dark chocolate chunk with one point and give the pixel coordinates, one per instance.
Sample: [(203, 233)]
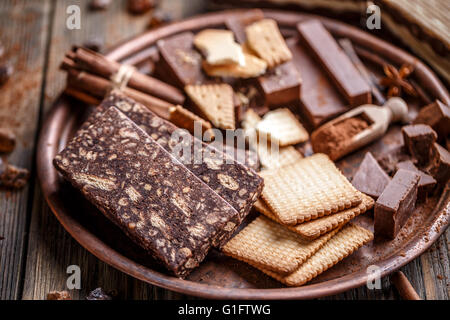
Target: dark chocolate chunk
[(7, 140), (335, 62), (426, 182), (436, 115), (98, 294), (281, 85), (396, 204), (439, 166), (180, 64), (150, 195), (234, 182), (319, 100), (419, 139), (238, 22), (6, 71), (389, 159), (370, 177)]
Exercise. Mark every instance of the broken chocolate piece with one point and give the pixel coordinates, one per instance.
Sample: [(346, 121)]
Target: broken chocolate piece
[(206, 162), (98, 294), (12, 177), (439, 166), (335, 62), (419, 139), (238, 22), (58, 295), (437, 116), (180, 64), (370, 177), (281, 85), (389, 159), (396, 203), (7, 140), (426, 182), (319, 100), (142, 188)]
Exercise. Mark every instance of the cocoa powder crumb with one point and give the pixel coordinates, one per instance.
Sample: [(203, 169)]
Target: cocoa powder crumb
[(7, 140), (12, 177)]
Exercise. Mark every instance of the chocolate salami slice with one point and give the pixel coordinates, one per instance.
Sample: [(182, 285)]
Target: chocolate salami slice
[(150, 195), (237, 184)]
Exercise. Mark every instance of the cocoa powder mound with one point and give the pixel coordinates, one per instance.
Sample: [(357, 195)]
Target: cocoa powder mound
[(337, 135)]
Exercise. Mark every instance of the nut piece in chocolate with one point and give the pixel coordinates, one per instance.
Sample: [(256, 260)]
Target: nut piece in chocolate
[(143, 189), (396, 204)]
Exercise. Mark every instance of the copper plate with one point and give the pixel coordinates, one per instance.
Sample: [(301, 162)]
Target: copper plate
[(220, 276)]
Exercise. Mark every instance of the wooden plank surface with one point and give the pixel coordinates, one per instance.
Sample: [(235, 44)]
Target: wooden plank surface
[(23, 26), (37, 250)]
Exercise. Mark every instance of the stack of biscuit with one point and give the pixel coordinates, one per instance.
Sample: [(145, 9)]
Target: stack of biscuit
[(304, 229)]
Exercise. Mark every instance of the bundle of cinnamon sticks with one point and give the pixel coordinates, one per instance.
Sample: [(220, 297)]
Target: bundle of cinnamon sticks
[(89, 79)]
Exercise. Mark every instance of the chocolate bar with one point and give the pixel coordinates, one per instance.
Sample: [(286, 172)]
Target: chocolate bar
[(426, 183), (396, 203), (143, 189), (180, 64), (238, 22), (335, 62), (437, 116), (319, 100), (439, 166), (234, 182), (281, 85), (370, 177), (419, 139)]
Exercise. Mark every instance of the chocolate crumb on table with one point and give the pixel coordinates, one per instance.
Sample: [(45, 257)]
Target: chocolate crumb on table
[(143, 189), (12, 177), (59, 295), (7, 140), (234, 182)]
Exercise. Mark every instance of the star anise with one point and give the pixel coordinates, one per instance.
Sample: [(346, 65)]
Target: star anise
[(396, 82)]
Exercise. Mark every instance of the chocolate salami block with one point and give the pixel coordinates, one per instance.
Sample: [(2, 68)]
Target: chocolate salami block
[(237, 184), (142, 188)]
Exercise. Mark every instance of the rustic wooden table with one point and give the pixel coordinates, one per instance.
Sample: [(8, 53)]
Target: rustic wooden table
[(36, 250)]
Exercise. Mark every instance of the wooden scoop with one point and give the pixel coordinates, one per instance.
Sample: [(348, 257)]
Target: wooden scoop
[(369, 123)]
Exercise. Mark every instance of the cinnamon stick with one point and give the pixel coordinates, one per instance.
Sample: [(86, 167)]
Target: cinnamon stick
[(86, 86), (404, 287), (347, 46), (86, 60)]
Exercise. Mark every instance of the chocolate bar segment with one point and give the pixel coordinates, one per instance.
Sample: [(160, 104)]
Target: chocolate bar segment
[(437, 116), (143, 189), (234, 182), (319, 100), (180, 64), (419, 139), (396, 203), (370, 177), (335, 62), (281, 85)]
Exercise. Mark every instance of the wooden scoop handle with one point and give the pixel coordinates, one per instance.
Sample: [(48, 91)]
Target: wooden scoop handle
[(398, 108)]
